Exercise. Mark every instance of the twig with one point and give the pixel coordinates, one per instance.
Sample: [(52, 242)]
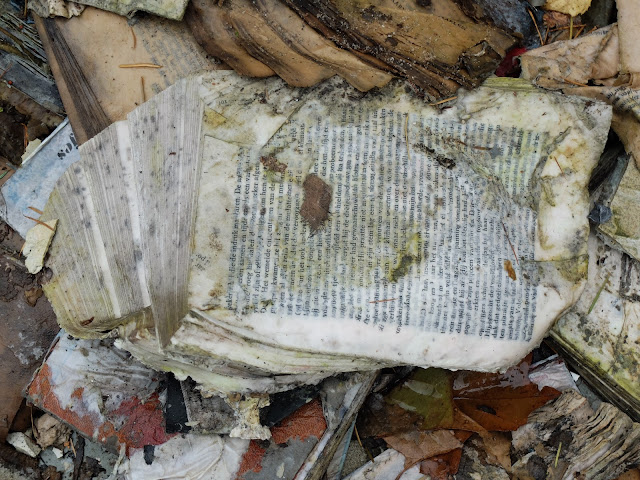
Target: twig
[(582, 27), (558, 163), (144, 95), (139, 65), (26, 135), (442, 101), (6, 70), (571, 28), (362, 446), (135, 40), (36, 210), (593, 304), (39, 222), (557, 29), (533, 19), (385, 300), (406, 136), (555, 464), (510, 244), (574, 83), (123, 451)]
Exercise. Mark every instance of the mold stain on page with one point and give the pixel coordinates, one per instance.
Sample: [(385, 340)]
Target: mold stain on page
[(317, 199)]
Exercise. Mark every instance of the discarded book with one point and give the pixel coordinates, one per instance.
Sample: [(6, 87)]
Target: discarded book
[(265, 236)]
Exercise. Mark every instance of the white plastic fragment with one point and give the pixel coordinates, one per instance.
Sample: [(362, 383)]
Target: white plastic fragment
[(23, 444)]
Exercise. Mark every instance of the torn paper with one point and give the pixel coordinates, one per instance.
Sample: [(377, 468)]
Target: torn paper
[(37, 244)]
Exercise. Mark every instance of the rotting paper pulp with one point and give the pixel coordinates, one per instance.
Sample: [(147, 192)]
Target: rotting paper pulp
[(268, 236), (606, 60)]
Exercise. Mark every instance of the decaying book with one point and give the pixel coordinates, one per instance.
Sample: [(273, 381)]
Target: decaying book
[(439, 47), (254, 236), (95, 89), (601, 332)]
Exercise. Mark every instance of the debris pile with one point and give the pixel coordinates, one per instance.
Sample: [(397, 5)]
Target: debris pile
[(319, 240)]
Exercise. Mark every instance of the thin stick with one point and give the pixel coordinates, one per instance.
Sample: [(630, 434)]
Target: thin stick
[(36, 210), (406, 136), (144, 95), (362, 446), (574, 83), (442, 101), (571, 28), (39, 222), (582, 27), (595, 300), (6, 70), (135, 40), (558, 163), (592, 30), (557, 29), (555, 465), (139, 65), (510, 244), (73, 448), (385, 300), (533, 19), (26, 135)]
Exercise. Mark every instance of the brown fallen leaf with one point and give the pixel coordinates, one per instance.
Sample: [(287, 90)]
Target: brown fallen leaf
[(500, 402), (442, 467), (417, 446), (498, 446)]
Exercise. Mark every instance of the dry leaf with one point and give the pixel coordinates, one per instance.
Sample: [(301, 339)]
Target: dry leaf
[(571, 7), (498, 446), (442, 467), (416, 446), (500, 402)]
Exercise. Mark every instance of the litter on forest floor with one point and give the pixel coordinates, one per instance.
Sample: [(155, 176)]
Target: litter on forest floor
[(269, 277)]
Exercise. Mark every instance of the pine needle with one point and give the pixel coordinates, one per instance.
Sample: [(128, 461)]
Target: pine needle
[(139, 65), (363, 447), (595, 300), (533, 19), (39, 222), (443, 101), (555, 464)]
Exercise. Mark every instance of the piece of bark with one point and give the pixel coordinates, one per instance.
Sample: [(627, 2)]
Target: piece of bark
[(596, 445)]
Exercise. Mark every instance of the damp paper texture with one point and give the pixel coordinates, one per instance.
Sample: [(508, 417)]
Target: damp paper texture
[(257, 231)]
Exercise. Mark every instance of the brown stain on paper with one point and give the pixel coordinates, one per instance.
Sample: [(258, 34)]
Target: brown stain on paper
[(317, 199), (508, 266)]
